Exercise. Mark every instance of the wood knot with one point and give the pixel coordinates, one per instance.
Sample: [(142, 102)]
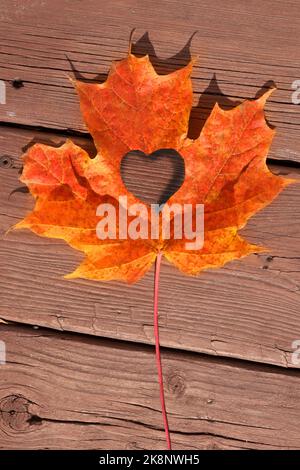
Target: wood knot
[(6, 161), (14, 412), (176, 383), (133, 446)]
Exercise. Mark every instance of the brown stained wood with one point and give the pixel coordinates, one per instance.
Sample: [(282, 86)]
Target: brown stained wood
[(242, 48), (73, 392), (249, 309)]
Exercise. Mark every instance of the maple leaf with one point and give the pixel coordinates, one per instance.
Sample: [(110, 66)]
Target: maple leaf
[(137, 109)]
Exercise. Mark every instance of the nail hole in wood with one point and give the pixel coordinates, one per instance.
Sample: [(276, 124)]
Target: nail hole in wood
[(17, 83), (5, 161)]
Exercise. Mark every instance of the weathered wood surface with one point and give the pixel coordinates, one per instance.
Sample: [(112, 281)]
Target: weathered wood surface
[(63, 391), (242, 46), (249, 309)]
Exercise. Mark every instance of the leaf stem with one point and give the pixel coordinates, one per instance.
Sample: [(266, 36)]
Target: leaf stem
[(157, 351)]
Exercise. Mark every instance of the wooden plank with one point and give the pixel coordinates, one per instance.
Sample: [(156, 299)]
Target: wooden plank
[(249, 309), (70, 391), (241, 48)]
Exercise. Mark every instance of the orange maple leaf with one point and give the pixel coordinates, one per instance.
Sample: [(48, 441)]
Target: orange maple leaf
[(137, 109)]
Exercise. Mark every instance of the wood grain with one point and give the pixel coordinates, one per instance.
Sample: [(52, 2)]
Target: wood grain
[(242, 47), (73, 391), (249, 309), (63, 391)]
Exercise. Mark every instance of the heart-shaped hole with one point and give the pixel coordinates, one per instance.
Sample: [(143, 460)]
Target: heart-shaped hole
[(153, 178)]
